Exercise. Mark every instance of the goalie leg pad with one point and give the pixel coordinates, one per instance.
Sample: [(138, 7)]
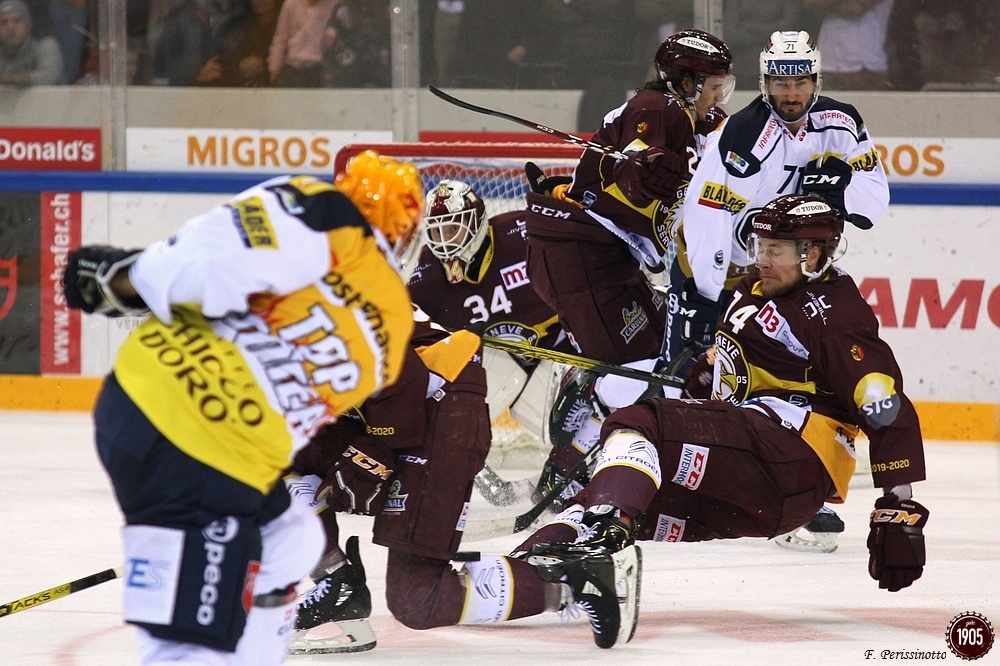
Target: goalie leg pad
[(208, 571)]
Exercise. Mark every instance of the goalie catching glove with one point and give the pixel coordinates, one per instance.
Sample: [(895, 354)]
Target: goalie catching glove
[(87, 281), (896, 542)]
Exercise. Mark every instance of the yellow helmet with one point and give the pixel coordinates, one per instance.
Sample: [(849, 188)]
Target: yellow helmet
[(386, 191)]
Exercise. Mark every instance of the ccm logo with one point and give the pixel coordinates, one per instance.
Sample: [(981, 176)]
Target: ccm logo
[(820, 179), (368, 463), (550, 212), (895, 516)]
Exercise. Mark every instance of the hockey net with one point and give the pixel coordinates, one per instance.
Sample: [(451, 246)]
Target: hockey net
[(496, 172)]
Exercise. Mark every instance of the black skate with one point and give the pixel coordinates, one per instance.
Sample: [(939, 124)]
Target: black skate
[(333, 617), (606, 526), (550, 477), (819, 535), (591, 574)]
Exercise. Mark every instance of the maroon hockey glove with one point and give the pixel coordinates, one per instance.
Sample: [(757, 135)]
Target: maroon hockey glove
[(358, 481), (896, 542), (698, 383), (655, 173)]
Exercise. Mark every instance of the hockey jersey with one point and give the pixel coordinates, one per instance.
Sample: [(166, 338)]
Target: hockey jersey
[(650, 118), (501, 300), (812, 360), (751, 160), (273, 314)]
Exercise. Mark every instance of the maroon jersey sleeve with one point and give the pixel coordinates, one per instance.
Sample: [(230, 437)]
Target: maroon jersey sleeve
[(395, 416)]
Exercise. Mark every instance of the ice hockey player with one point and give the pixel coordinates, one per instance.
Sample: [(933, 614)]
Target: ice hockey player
[(409, 457), (789, 140), (269, 316), (799, 368), (587, 242), (473, 274)]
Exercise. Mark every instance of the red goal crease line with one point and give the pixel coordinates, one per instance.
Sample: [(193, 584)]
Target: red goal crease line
[(960, 421)]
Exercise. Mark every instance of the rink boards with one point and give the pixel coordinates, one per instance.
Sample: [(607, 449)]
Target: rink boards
[(927, 269)]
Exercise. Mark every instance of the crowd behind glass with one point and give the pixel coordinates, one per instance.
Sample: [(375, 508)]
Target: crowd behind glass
[(600, 46)]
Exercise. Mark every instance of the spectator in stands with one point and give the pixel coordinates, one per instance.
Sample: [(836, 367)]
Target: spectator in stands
[(69, 27), (852, 41), (356, 46), (25, 60), (748, 24), (296, 53), (240, 46), (180, 43), (655, 20)]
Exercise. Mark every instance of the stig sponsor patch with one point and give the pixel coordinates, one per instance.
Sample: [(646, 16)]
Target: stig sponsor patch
[(253, 224), (669, 529), (716, 195), (515, 275), (691, 467), (396, 501), (737, 162), (635, 320), (876, 398)]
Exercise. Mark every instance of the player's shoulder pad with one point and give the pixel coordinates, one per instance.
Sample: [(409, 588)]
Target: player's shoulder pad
[(319, 205), (830, 114), (741, 133)]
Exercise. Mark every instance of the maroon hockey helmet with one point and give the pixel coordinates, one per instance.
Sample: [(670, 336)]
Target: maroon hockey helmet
[(798, 218), (695, 51), (454, 226)]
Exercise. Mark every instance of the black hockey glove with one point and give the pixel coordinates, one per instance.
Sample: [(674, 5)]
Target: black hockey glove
[(828, 180), (540, 183), (896, 542), (359, 479), (87, 281), (699, 318)]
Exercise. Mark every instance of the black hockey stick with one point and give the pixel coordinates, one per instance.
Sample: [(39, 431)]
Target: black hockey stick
[(570, 138), (601, 367), (53, 593), (476, 530)]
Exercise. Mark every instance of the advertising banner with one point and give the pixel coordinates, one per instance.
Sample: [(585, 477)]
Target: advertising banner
[(60, 326), (234, 150), (19, 293), (50, 149)]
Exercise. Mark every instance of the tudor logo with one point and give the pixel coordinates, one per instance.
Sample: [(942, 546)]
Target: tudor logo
[(811, 207), (697, 43), (763, 226)]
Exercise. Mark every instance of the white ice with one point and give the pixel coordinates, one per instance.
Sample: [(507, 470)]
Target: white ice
[(736, 602)]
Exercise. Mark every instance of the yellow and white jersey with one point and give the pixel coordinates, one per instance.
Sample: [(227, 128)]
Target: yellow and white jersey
[(273, 314)]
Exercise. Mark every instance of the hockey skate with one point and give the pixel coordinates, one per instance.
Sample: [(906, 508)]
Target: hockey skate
[(334, 615), (551, 477), (819, 535), (606, 526)]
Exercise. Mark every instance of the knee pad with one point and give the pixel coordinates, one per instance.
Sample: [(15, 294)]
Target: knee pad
[(192, 585), (489, 596)]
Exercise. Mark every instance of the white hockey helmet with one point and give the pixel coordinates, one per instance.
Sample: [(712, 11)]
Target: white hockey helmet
[(790, 53), (454, 226)]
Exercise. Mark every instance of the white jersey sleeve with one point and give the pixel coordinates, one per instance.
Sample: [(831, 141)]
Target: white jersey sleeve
[(217, 260), (868, 192)]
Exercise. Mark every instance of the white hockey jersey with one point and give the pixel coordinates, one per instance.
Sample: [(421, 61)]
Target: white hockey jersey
[(752, 159)]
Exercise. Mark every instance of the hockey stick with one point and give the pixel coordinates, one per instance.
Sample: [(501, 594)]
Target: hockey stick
[(477, 530), (570, 138), (529, 351), (58, 591)]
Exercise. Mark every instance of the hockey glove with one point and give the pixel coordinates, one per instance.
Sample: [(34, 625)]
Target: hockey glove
[(896, 542), (828, 180), (540, 183), (699, 318), (698, 383), (87, 281), (358, 482), (654, 173)]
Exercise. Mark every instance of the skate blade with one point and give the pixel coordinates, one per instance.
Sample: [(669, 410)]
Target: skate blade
[(804, 541), (334, 637), (628, 587)]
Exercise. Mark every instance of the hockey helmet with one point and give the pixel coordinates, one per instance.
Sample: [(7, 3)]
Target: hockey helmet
[(790, 53), (389, 194), (806, 219), (696, 53), (455, 226)]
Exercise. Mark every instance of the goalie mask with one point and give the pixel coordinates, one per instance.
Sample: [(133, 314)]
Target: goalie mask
[(806, 220), (697, 54), (790, 54), (455, 226), (389, 194)]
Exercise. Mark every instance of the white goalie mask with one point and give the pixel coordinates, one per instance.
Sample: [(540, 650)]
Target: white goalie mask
[(790, 53), (454, 226)]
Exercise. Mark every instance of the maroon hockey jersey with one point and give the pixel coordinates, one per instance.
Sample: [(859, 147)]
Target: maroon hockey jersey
[(650, 118), (502, 300), (812, 360)]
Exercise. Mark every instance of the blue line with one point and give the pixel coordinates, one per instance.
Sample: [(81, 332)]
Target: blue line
[(231, 183)]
